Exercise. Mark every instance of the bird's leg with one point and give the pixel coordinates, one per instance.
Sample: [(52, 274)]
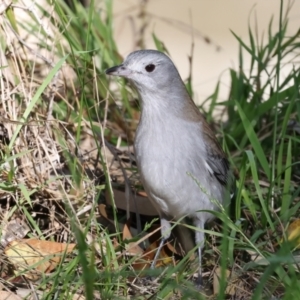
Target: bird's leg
[(199, 281), (165, 234), (199, 236)]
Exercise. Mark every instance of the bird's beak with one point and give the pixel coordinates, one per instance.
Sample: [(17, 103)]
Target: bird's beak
[(120, 70)]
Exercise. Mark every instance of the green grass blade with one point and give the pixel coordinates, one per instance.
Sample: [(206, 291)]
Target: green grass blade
[(255, 143)]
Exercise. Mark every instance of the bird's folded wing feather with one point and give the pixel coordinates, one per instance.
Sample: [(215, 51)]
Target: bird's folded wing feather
[(216, 158)]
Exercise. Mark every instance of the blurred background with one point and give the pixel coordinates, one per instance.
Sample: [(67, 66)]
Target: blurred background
[(207, 24)]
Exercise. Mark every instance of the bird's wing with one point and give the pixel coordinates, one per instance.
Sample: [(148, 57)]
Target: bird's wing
[(219, 167), (216, 159)]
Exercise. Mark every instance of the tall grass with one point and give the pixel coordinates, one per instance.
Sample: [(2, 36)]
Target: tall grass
[(261, 138)]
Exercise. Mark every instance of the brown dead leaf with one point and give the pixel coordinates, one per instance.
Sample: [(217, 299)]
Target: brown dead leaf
[(166, 255), (126, 231), (34, 257), (140, 203), (293, 233), (146, 259), (102, 211), (5, 295), (132, 248), (164, 258)]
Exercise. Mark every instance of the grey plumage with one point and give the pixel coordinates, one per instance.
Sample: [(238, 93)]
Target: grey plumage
[(172, 141)]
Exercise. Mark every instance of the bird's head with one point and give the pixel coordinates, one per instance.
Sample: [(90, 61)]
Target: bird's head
[(149, 71)]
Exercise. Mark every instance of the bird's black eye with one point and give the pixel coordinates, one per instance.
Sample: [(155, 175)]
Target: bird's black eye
[(150, 68)]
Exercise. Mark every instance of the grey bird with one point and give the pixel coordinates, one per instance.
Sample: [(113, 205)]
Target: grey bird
[(183, 169)]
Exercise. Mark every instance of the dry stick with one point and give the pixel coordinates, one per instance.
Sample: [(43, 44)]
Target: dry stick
[(103, 157), (32, 10), (48, 62), (33, 290), (5, 5)]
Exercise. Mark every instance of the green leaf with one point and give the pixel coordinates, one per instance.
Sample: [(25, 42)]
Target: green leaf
[(257, 187), (255, 143)]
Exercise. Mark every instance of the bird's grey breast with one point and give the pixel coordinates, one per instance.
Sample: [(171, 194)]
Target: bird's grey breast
[(166, 154)]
